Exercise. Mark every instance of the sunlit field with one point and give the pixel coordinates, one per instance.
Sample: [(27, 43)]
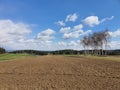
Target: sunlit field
[(59, 72)]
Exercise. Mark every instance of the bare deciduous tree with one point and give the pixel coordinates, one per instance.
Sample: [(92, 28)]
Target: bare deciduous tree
[(96, 41)]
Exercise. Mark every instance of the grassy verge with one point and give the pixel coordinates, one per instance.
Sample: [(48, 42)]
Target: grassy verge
[(113, 58), (7, 56)]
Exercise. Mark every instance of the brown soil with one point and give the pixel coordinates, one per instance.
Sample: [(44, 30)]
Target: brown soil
[(59, 73)]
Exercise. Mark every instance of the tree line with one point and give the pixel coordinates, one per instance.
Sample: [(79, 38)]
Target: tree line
[(81, 52), (59, 52), (34, 52), (2, 50)]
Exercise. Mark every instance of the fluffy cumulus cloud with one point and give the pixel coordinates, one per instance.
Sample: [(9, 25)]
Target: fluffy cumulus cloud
[(67, 35), (91, 21), (114, 45), (94, 20), (68, 45), (71, 17), (86, 32), (74, 32), (10, 31), (60, 23), (46, 35), (115, 33), (73, 43), (78, 27), (65, 30), (14, 35), (61, 43), (45, 39)]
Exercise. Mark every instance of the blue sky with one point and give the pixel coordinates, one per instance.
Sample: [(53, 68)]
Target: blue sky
[(56, 24)]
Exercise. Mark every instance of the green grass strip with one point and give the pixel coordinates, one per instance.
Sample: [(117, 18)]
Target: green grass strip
[(8, 56)]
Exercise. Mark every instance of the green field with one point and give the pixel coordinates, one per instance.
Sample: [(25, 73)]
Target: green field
[(12, 56)]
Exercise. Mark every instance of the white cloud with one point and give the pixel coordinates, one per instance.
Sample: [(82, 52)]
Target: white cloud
[(67, 35), (68, 45), (115, 33), (105, 19), (46, 35), (60, 23), (114, 45), (10, 31), (48, 42), (47, 32), (65, 30), (74, 32), (13, 36), (86, 32), (78, 27), (91, 21), (73, 43), (63, 44), (94, 20), (71, 17)]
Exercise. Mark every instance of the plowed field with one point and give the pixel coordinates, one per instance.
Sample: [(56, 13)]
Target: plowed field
[(59, 73)]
